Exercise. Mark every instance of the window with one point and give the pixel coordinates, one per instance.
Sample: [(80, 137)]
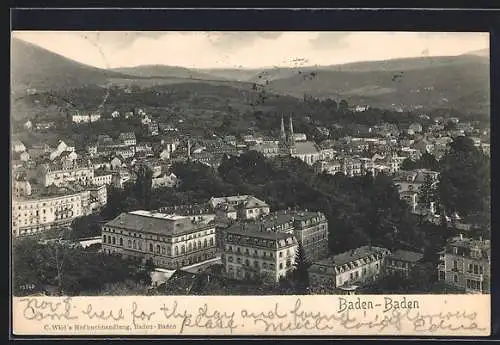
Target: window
[(183, 250), (129, 243), (211, 241), (238, 260), (281, 265), (158, 248), (104, 238), (256, 264), (281, 254), (455, 278), (455, 264), (247, 262), (135, 245), (190, 246), (205, 243), (114, 240), (176, 250), (121, 241)]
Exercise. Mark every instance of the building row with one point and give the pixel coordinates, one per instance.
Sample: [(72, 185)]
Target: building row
[(35, 211), (464, 265)]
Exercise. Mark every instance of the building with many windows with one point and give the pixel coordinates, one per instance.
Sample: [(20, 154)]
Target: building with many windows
[(128, 138), (258, 255), (348, 270), (102, 177), (48, 208), (309, 228), (66, 172), (171, 241), (247, 206), (77, 118), (465, 264), (402, 262)]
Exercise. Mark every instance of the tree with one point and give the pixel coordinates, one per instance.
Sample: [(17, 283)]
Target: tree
[(57, 255), (343, 106), (86, 226), (143, 274), (408, 164), (464, 185), (301, 274), (428, 161), (427, 193), (143, 187)]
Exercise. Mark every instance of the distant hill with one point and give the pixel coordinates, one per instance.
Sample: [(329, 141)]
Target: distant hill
[(450, 82), (460, 82), (41, 69), (403, 64), (238, 74), (481, 52), (162, 71), (35, 67)]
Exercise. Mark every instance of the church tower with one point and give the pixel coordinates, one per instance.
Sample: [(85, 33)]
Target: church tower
[(282, 132), (291, 136)]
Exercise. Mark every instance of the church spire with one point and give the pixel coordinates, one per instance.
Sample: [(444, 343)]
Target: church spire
[(282, 132), (292, 137)]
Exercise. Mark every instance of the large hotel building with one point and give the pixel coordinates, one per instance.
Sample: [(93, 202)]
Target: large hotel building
[(465, 264), (309, 228), (171, 241), (258, 254), (348, 270), (35, 211)]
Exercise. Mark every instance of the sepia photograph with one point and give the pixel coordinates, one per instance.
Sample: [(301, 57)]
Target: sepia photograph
[(250, 163)]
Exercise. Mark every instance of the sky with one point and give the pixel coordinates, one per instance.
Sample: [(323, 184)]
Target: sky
[(211, 49)]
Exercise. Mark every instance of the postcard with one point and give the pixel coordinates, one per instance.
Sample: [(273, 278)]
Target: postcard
[(250, 183)]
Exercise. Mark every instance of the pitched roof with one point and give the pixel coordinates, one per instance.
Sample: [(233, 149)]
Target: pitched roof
[(305, 147), (128, 135), (156, 223), (352, 255), (181, 281), (253, 230), (253, 202)]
